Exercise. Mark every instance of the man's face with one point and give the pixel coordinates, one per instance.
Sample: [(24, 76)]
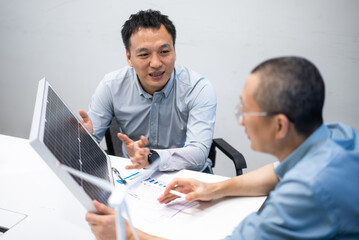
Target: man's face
[(153, 57), (259, 129)]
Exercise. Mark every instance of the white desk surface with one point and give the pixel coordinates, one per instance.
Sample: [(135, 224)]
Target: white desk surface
[(28, 186)]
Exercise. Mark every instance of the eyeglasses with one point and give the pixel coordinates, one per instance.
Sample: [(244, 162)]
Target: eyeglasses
[(240, 114)]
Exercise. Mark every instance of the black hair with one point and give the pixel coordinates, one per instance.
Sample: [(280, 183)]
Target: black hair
[(146, 19), (292, 86)]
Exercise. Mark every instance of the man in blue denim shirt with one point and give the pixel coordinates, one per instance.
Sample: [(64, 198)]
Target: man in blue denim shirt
[(317, 195), (315, 184)]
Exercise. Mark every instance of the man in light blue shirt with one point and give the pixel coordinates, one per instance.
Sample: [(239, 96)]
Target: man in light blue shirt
[(157, 104)]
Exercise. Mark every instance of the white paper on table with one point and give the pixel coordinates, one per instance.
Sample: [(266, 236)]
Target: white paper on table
[(142, 200), (8, 218)]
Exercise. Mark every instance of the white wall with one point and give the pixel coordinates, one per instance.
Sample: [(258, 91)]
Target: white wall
[(74, 43)]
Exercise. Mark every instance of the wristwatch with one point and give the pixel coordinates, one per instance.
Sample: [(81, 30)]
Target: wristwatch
[(153, 156)]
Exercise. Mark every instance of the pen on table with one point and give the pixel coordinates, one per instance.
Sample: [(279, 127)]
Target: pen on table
[(118, 175)]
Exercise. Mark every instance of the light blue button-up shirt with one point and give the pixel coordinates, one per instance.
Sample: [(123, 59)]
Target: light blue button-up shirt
[(178, 120), (317, 196)]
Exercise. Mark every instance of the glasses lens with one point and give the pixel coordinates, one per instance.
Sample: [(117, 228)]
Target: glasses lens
[(238, 112)]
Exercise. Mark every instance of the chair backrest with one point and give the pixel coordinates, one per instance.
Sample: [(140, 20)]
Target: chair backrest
[(114, 147)]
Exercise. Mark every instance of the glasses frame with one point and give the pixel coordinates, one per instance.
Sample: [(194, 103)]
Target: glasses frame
[(240, 114)]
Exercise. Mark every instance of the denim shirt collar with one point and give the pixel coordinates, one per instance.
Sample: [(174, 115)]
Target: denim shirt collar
[(319, 135)]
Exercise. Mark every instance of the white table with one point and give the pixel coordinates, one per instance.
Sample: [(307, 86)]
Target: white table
[(50, 211)]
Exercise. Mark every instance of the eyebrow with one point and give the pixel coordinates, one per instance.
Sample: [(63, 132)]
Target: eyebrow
[(165, 45), (146, 49), (141, 50)]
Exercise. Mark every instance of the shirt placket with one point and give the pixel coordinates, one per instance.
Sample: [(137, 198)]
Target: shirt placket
[(154, 118)]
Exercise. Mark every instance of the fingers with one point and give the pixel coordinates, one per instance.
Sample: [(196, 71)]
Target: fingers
[(84, 115), (164, 199), (190, 197), (102, 208), (144, 152), (166, 196), (142, 142), (191, 187), (140, 160), (141, 157), (103, 224), (86, 120), (175, 184), (141, 154), (133, 166), (136, 150), (172, 185), (95, 219), (124, 138)]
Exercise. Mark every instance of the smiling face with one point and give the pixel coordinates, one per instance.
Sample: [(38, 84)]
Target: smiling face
[(153, 57), (259, 129)]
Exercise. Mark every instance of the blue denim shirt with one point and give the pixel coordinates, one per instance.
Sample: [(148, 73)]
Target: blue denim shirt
[(317, 196), (178, 120)]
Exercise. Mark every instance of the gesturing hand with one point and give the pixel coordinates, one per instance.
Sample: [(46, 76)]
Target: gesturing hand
[(136, 150), (86, 120)]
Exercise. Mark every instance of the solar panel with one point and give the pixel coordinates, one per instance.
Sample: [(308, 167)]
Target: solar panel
[(59, 137)]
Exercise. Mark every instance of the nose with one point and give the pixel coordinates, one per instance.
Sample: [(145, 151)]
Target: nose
[(241, 120), (155, 61)]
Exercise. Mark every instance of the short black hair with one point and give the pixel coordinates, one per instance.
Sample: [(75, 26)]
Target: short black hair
[(292, 86), (146, 19)]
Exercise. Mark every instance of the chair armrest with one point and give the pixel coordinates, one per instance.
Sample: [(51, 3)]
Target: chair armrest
[(232, 153)]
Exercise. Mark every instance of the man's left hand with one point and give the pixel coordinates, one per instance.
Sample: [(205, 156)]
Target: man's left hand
[(136, 150)]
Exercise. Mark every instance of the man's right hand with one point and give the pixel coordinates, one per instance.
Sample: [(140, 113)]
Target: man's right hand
[(194, 190), (103, 224), (86, 120)]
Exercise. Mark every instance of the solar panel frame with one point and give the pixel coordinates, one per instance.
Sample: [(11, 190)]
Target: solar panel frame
[(58, 136)]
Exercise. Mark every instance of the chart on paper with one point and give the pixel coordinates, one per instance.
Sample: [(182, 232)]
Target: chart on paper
[(142, 199)]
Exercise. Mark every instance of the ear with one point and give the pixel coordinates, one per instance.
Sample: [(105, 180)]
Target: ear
[(282, 126), (128, 57)]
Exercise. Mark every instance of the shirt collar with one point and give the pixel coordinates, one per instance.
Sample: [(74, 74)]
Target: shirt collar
[(322, 133), (165, 91)]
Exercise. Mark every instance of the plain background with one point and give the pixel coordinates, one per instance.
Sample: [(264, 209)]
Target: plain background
[(75, 43)]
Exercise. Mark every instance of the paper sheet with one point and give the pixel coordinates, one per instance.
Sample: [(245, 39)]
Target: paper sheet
[(142, 199), (8, 219)]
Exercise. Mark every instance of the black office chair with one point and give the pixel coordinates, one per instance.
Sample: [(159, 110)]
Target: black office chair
[(114, 147)]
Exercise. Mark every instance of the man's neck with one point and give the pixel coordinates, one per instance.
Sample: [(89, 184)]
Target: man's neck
[(151, 91), (289, 145)]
